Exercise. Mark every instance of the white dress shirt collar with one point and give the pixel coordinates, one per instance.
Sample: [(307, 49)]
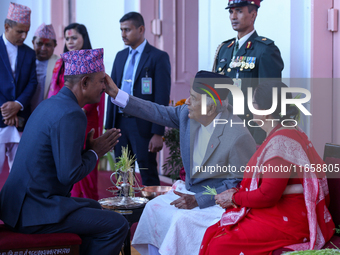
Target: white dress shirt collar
[(140, 48), (242, 40), (12, 52)]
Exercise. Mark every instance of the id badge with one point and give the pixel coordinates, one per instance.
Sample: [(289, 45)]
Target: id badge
[(146, 86), (237, 82)]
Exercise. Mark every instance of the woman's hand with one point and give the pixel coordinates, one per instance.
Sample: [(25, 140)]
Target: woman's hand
[(224, 199)]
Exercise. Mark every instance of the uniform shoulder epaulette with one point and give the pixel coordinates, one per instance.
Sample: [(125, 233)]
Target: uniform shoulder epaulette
[(264, 40), (229, 40)]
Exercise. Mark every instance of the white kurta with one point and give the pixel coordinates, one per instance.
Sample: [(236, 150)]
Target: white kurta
[(9, 135), (173, 230)]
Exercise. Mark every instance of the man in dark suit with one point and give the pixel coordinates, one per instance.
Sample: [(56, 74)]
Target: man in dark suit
[(248, 58), (144, 72), (50, 159), (17, 78)]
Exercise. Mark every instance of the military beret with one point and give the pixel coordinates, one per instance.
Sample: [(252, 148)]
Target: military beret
[(239, 3)]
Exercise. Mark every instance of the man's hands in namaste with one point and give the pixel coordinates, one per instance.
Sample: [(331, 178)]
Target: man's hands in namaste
[(103, 143)]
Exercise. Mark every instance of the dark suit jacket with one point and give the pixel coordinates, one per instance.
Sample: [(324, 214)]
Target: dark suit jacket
[(49, 160), (157, 65), (23, 85), (269, 64)]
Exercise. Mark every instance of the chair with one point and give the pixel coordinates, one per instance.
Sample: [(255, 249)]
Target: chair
[(58, 243), (16, 243), (331, 157)]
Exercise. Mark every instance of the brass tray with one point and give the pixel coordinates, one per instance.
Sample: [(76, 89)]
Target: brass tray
[(114, 203)]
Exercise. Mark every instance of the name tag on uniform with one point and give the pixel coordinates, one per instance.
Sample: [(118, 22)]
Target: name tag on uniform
[(146, 86), (237, 82)]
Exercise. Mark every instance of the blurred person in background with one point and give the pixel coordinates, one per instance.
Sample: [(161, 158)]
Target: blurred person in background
[(247, 58), (18, 80), (44, 43), (143, 71)]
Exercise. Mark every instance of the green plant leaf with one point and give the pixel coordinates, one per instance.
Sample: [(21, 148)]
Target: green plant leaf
[(173, 162)]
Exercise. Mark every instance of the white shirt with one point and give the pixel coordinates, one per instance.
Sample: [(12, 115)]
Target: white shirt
[(139, 50), (10, 134), (201, 143), (38, 96), (121, 99), (12, 52), (242, 40)]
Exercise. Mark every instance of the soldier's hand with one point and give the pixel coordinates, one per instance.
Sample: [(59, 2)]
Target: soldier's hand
[(185, 201), (111, 87), (104, 143)]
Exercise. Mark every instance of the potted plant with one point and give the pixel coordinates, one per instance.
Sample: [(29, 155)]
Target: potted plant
[(173, 163), (123, 170)]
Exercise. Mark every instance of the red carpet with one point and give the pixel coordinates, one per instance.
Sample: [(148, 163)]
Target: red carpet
[(3, 175), (3, 178)]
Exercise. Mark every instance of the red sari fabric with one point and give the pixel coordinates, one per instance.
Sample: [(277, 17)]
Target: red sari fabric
[(87, 187), (266, 219), (57, 80)]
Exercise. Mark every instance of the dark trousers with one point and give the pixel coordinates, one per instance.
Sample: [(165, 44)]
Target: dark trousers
[(102, 231), (138, 146)]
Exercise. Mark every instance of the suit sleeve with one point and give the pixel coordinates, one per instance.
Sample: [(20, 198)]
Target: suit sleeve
[(25, 97), (67, 139), (271, 63), (162, 79), (167, 116), (242, 150)]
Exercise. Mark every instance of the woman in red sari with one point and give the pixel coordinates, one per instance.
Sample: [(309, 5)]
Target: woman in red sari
[(280, 203), (77, 38)]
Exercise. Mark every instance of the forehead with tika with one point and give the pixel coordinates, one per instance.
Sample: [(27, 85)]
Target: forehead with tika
[(42, 40), (71, 32)]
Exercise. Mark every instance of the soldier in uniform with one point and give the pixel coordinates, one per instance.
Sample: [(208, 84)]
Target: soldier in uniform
[(248, 58)]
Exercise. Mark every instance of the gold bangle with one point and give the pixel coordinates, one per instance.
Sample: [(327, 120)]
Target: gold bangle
[(233, 200)]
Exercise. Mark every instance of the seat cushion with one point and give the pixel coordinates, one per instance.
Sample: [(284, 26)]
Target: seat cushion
[(13, 240), (281, 251), (334, 240), (334, 191)]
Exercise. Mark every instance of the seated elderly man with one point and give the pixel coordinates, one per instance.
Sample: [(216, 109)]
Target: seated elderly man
[(175, 223)]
